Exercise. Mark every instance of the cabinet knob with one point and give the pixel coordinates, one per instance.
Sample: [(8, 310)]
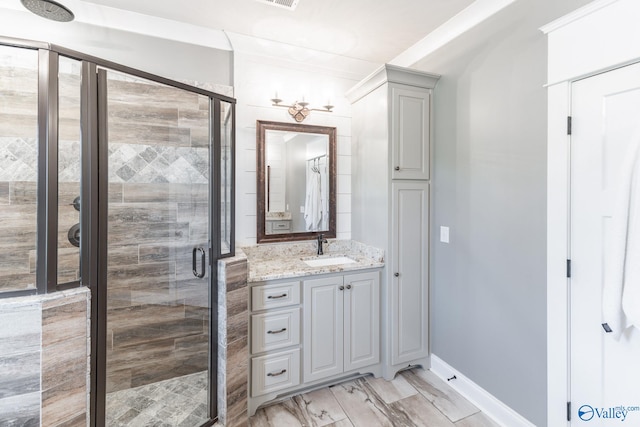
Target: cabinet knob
[(348, 286), (397, 168), (397, 274), (341, 288)]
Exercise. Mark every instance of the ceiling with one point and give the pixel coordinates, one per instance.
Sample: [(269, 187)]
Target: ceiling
[(373, 30)]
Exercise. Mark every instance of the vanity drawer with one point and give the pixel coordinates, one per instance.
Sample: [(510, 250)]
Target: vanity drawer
[(275, 372), (275, 330), (264, 297), (281, 225), (277, 227)]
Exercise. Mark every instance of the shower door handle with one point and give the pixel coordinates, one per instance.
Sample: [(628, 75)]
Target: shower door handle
[(194, 262)]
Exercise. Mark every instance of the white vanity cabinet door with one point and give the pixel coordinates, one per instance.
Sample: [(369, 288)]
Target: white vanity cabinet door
[(323, 328), (362, 320), (341, 324), (271, 331), (409, 272), (264, 297), (410, 132)]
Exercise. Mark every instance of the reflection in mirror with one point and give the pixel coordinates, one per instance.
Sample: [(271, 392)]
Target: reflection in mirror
[(296, 181), (227, 147)]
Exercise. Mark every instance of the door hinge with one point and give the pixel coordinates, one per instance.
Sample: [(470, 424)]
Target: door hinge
[(568, 268), (568, 125), (568, 411)]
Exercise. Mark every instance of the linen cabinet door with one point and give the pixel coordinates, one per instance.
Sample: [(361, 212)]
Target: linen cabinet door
[(361, 320), (410, 133), (323, 328), (409, 272)]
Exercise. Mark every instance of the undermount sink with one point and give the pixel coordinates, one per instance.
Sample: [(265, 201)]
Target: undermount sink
[(324, 262)]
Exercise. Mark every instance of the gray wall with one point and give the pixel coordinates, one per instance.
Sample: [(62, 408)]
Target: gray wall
[(488, 285)]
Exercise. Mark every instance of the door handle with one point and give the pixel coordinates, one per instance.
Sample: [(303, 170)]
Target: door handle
[(194, 262), (348, 286), (396, 274)]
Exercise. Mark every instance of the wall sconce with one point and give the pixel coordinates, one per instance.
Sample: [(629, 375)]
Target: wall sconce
[(299, 110)]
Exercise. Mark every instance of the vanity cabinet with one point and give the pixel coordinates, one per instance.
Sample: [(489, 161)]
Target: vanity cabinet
[(391, 154), (341, 324), (306, 332)]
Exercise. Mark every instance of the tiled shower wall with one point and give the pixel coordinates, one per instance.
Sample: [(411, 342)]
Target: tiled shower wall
[(158, 211), (18, 154), (44, 366), (233, 341)]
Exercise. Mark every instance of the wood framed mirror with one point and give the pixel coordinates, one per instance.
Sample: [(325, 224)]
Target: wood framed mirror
[(296, 181)]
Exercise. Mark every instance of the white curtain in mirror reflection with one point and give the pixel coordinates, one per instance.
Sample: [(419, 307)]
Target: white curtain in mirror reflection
[(316, 208)]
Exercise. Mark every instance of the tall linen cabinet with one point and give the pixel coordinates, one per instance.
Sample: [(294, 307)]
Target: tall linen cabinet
[(391, 159)]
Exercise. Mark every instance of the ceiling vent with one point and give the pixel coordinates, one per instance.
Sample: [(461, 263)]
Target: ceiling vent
[(284, 4)]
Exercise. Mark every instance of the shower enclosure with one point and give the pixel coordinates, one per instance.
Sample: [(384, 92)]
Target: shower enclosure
[(121, 181)]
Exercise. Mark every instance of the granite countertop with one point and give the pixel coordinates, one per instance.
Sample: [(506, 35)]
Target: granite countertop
[(278, 216), (286, 260)]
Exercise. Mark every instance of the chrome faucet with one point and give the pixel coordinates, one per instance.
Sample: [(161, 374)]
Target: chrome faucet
[(321, 240)]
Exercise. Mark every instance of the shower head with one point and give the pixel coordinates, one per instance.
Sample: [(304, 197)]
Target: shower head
[(49, 9)]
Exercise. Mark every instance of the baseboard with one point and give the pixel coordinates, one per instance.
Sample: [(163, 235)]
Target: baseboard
[(485, 401)]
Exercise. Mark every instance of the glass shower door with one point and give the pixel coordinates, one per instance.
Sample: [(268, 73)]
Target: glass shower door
[(157, 271)]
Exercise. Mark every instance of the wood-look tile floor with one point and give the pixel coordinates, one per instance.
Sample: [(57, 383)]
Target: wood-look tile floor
[(414, 398)]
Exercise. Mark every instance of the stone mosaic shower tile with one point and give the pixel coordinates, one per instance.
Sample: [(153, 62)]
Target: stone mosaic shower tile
[(149, 154), (125, 173), (18, 159), (158, 164)]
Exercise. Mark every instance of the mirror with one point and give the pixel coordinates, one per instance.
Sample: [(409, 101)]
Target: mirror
[(296, 181)]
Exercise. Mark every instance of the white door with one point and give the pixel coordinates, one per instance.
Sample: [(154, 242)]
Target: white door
[(605, 372), (361, 320)]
